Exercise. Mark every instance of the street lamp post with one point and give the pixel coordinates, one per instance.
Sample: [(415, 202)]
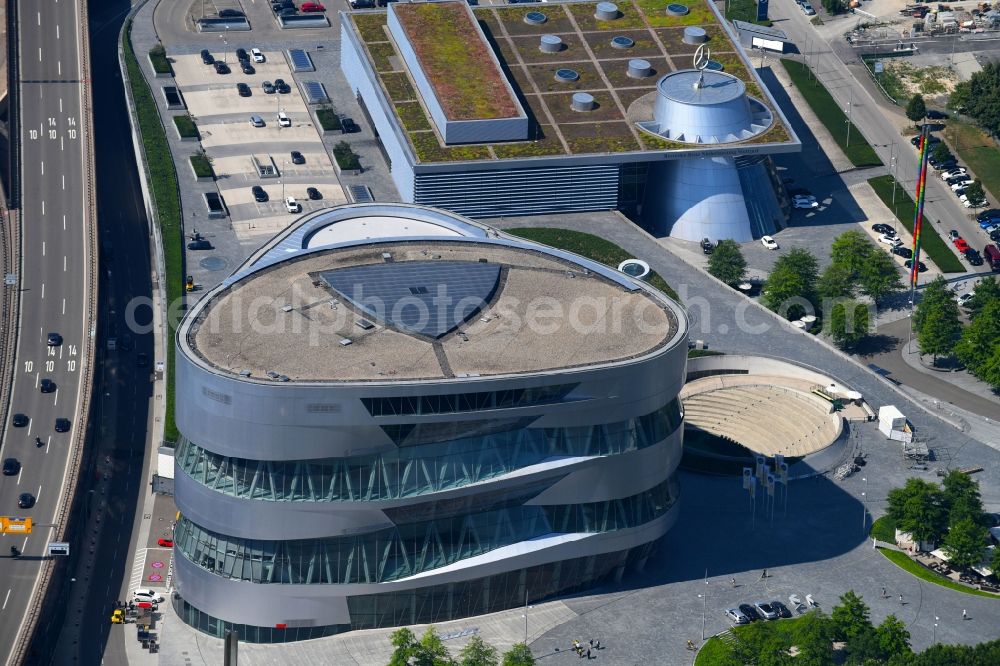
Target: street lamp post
[(936, 618), (864, 505)]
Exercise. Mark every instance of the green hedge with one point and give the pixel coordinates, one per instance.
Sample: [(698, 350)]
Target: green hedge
[(905, 562), (158, 56), (163, 182), (930, 242), (328, 119), (860, 153), (186, 126), (346, 158), (591, 247), (202, 167)]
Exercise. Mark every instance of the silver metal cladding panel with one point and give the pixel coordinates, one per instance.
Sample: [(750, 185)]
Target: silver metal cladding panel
[(269, 604), (718, 109)]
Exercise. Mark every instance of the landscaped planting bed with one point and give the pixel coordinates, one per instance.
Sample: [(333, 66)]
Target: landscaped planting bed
[(202, 166), (186, 127), (158, 56), (458, 64), (328, 119)]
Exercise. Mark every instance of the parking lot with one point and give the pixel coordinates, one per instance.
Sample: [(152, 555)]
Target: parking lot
[(236, 148)]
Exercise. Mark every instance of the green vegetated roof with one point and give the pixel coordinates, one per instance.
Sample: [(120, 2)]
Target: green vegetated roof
[(557, 129)]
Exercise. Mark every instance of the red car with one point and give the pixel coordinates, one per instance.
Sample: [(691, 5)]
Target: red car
[(165, 543), (312, 7), (961, 245)]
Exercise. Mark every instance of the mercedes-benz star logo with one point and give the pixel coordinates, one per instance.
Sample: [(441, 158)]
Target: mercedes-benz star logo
[(702, 57)]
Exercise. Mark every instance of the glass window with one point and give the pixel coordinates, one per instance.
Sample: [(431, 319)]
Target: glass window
[(466, 402)]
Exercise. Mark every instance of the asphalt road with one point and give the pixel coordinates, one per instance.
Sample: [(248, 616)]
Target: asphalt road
[(851, 89), (55, 255)]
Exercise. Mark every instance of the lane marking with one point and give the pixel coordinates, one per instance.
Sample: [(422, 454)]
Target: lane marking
[(5, 600), (59, 67), (19, 475), (43, 168), (37, 375), (48, 440), (43, 248), (60, 99), (43, 284), (39, 54), (64, 181), (64, 223), (64, 306), (39, 18), (56, 402), (64, 270), (57, 32), (61, 146), (43, 207)]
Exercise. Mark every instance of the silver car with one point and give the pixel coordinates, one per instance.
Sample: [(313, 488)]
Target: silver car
[(737, 616), (256, 121), (766, 610)]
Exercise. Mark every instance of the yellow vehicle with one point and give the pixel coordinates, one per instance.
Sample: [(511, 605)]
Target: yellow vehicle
[(118, 616), (189, 283)]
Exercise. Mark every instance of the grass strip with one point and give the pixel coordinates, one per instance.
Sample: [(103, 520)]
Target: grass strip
[(163, 184), (158, 56), (714, 652), (903, 561), (328, 119), (744, 10), (859, 152), (904, 209), (884, 529), (978, 151), (202, 167), (591, 247), (186, 127)]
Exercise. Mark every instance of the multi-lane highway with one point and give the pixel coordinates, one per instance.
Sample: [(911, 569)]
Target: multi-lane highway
[(55, 282)]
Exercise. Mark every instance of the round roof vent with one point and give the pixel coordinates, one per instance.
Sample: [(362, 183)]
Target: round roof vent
[(639, 69), (677, 9), (566, 76), (535, 18), (714, 65), (695, 35), (606, 11), (636, 268), (550, 44), (622, 42), (582, 102)]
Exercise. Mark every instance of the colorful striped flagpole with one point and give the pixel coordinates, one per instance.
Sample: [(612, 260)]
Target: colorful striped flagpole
[(918, 217)]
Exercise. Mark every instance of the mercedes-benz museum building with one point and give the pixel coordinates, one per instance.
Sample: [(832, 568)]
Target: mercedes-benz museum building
[(393, 415)]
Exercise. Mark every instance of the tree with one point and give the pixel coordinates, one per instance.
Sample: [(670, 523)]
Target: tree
[(961, 497), (940, 152), (835, 282), (477, 652), (727, 264), (936, 292), (995, 563), (893, 637), (814, 641), (791, 286), (965, 543), (989, 369), (987, 289), (759, 644), (959, 97), (983, 99), (848, 322), (428, 651), (518, 655), (850, 250), (975, 193), (980, 339), (919, 508), (940, 330), (405, 644), (916, 109), (849, 618), (864, 649), (879, 276)]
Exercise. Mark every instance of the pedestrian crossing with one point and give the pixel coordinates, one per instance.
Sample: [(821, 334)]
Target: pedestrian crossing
[(138, 567)]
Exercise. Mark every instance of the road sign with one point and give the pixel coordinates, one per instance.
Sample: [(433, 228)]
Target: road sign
[(58, 548), (879, 67), (14, 525)]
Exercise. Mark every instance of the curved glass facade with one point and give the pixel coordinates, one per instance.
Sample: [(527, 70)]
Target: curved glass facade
[(407, 549), (436, 603), (419, 469)]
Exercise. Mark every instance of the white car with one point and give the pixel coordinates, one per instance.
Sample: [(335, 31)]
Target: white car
[(804, 201), (959, 171), (960, 184), (968, 204), (284, 120), (292, 206), (769, 242), (147, 594), (964, 299), (891, 241), (257, 55)]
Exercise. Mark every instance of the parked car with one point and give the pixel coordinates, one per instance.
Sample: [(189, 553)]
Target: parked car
[(959, 183), (934, 114), (995, 236), (804, 201), (750, 612), (256, 121), (920, 268), (62, 425), (267, 87), (259, 194), (165, 543), (973, 257), (206, 57), (312, 7), (288, 11), (808, 9), (946, 165), (243, 90), (247, 68), (891, 241), (967, 202), (297, 157), (47, 386), (241, 55), (221, 67), (964, 299), (765, 610), (904, 252), (147, 594), (737, 616), (200, 244), (886, 229), (11, 466), (258, 57), (292, 206), (282, 87), (986, 222), (706, 246), (952, 173), (362, 4), (230, 13), (960, 244), (781, 609), (769, 242), (988, 214), (953, 235), (313, 194), (283, 119), (349, 126)]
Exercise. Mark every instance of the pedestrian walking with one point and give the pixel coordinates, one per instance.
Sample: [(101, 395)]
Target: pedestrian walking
[(588, 654), (732, 582), (900, 598), (763, 574), (965, 616), (591, 642), (883, 593)]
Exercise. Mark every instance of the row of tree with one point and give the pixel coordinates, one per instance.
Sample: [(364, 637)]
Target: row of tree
[(430, 650), (938, 325), (979, 97), (796, 286), (950, 514)]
